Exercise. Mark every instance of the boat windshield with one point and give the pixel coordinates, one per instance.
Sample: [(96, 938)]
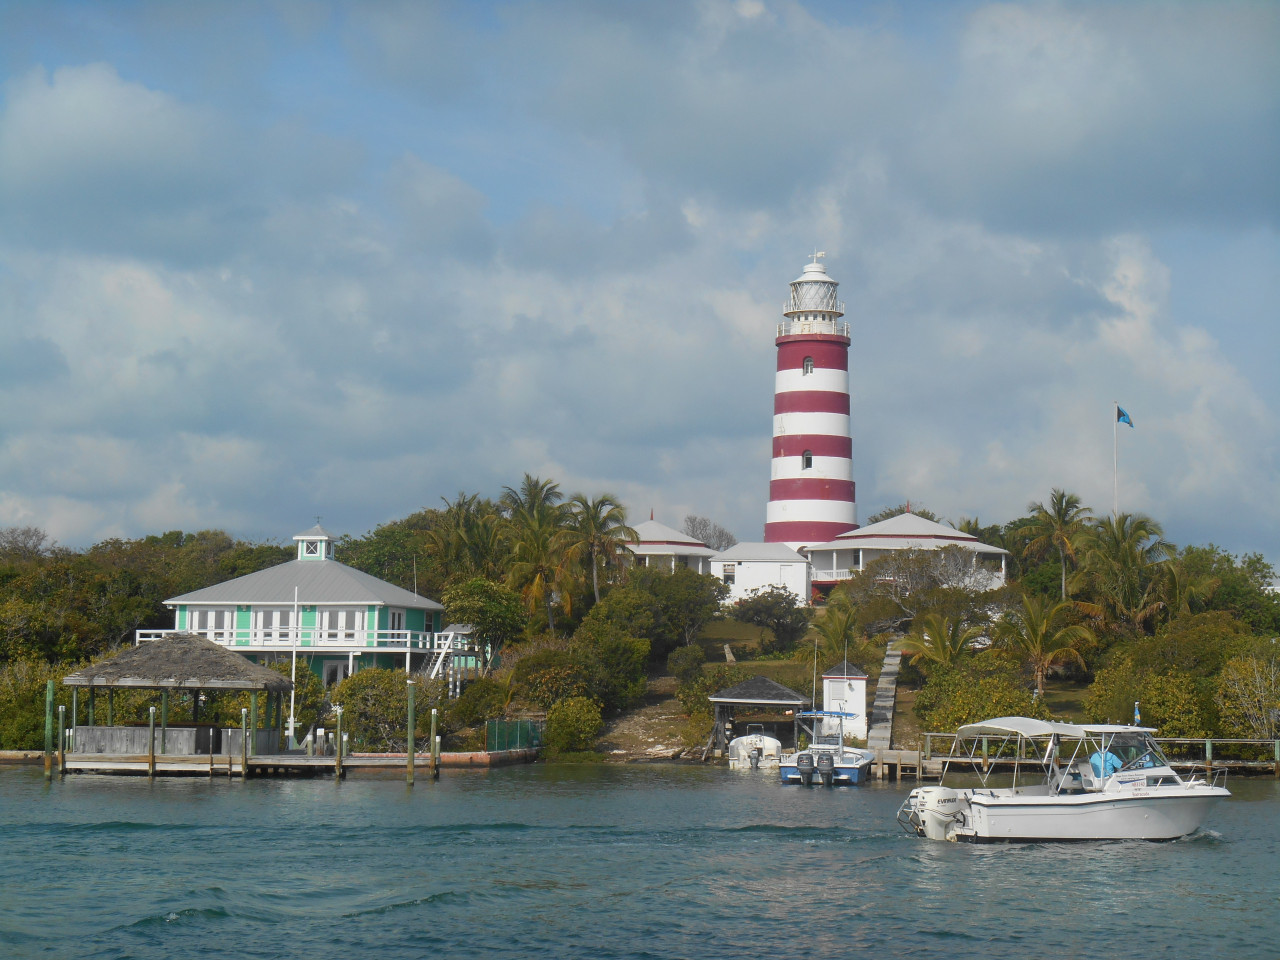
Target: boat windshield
[(1136, 750)]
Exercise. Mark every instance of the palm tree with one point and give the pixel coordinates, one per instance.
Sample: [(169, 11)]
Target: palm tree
[(1030, 632), (1056, 526), (837, 628), (537, 565), (597, 530), (1122, 563), (536, 499), (939, 639), (1182, 591)]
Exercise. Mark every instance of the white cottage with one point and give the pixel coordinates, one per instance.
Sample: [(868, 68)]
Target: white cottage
[(748, 567), (849, 553), (666, 548)]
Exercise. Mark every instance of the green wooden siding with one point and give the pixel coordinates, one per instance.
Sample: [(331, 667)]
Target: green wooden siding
[(308, 620), (415, 620), (182, 619), (244, 621)]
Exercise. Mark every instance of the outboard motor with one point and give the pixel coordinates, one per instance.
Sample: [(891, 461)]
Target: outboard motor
[(826, 768), (754, 757), (804, 766), (940, 810)]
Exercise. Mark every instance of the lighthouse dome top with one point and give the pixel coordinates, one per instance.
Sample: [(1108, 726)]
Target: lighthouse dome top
[(813, 295), (814, 271)]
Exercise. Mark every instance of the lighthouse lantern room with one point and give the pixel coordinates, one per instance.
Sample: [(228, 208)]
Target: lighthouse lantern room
[(811, 490)]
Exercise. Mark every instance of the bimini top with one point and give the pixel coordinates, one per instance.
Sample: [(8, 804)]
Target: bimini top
[(1028, 727)]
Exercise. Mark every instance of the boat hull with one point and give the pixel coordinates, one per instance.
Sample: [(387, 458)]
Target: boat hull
[(1089, 817), (849, 772)]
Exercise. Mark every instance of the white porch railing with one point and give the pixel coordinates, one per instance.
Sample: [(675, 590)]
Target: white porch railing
[(311, 638)]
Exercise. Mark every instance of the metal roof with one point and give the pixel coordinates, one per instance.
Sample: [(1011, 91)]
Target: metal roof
[(652, 531), (317, 582), (906, 530), (760, 551)]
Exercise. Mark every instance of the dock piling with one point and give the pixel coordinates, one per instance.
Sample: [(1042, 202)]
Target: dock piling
[(435, 747), (244, 743), (409, 745), (337, 763), (48, 731), (62, 740), (151, 742)]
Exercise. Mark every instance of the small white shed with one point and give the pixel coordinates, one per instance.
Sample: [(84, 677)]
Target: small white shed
[(747, 567), (844, 690)]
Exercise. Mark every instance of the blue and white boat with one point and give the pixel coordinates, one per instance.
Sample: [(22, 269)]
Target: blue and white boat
[(827, 760)]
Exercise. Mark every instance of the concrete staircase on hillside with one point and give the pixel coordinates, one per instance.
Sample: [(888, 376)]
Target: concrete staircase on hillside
[(880, 736)]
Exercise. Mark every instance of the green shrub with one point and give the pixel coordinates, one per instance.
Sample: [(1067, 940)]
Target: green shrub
[(685, 663), (375, 706), (548, 676), (22, 694), (978, 688), (481, 699), (572, 725)]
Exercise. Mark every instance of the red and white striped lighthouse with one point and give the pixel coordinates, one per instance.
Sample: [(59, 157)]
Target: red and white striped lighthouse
[(811, 492)]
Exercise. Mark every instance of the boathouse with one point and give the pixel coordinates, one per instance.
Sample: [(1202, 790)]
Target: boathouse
[(758, 694), (333, 617)]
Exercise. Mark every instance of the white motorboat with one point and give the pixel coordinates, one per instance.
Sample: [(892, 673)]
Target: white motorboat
[(1070, 782), (754, 749), (827, 760)]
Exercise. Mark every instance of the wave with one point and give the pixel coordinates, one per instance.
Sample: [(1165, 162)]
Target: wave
[(444, 897)]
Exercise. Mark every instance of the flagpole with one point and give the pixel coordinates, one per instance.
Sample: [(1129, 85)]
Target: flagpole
[(1115, 459), (293, 670)]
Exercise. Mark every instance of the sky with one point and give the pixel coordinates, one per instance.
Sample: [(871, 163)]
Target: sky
[(266, 262)]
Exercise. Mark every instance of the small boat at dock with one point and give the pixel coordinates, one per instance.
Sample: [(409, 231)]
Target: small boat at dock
[(827, 759), (754, 749)]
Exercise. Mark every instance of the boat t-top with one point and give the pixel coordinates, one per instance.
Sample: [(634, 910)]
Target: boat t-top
[(1070, 782), (826, 760)]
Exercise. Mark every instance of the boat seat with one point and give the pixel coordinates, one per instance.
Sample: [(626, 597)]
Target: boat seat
[(1075, 778)]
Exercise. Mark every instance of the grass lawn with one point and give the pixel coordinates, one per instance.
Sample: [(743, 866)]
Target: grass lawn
[(1066, 700)]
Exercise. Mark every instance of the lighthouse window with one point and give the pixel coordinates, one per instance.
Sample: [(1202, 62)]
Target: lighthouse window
[(808, 365), (806, 460)]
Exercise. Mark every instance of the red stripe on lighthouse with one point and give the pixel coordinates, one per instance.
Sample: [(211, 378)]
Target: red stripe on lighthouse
[(811, 488), (805, 531), (826, 356), (811, 401)]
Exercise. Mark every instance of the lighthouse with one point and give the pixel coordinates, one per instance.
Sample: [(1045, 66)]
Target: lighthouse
[(811, 491)]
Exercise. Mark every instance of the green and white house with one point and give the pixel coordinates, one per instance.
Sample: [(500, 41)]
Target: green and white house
[(336, 619)]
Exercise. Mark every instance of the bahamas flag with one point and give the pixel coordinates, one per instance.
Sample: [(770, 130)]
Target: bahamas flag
[(1122, 416)]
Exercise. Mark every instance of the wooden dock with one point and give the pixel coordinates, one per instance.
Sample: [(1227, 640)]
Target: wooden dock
[(286, 765)]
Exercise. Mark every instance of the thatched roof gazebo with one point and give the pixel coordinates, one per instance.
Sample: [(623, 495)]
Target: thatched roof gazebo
[(178, 662), (184, 661)]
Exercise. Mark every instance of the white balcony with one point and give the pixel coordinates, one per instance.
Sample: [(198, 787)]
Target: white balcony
[(313, 640)]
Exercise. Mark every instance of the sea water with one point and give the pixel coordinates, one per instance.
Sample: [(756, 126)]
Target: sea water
[(596, 861)]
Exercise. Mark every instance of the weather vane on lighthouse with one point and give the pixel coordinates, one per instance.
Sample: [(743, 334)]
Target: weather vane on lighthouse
[(818, 255)]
